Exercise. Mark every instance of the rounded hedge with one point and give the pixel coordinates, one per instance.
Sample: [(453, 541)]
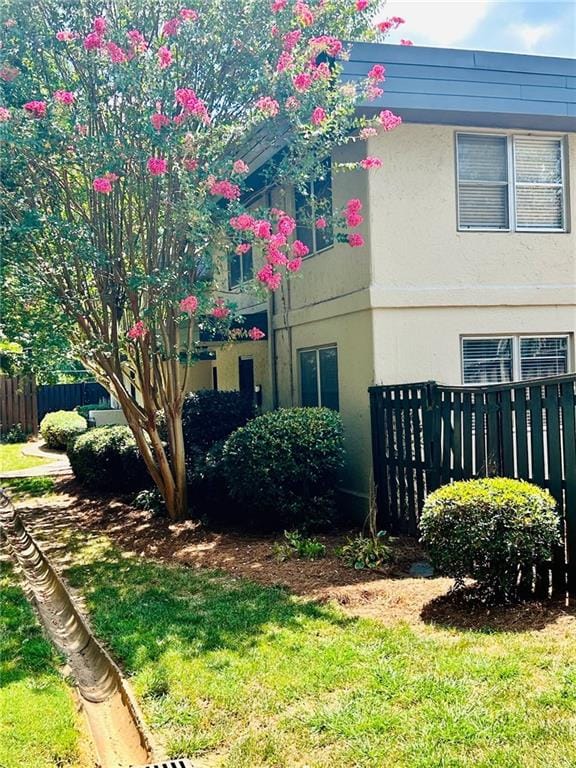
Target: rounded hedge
[(108, 458), (282, 467), (84, 410), (491, 530), (58, 427), (209, 416)]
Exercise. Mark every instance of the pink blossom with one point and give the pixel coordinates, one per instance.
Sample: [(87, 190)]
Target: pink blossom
[(302, 81), (278, 5), (242, 222), (171, 27), (355, 240), (268, 106), (300, 249), (303, 13), (256, 334), (242, 248), (388, 120), (264, 274), (9, 73), (157, 166), (327, 43), (65, 36), (373, 92), (225, 189), (361, 5), (274, 30), (99, 25), (366, 133), (318, 116), (189, 304), (36, 108), (322, 72), (392, 23), (406, 42), (81, 129), (188, 14), (159, 120), (371, 162), (353, 219), (137, 331), (220, 311), (103, 184), (164, 57), (116, 54), (274, 281), (93, 41), (275, 256), (240, 167), (4, 114), (292, 103), (262, 229), (291, 40), (65, 97), (137, 40), (354, 205), (191, 104), (294, 264), (286, 225), (9, 23), (191, 164), (285, 60), (321, 223), (377, 73)]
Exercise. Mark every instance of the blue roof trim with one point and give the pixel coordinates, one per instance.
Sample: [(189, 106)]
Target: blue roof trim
[(458, 87)]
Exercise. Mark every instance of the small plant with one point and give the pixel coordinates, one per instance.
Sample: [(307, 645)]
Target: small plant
[(58, 427), (492, 530), (15, 434), (371, 549), (150, 500), (299, 545)]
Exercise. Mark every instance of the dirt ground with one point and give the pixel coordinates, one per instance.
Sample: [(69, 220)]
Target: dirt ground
[(390, 595)]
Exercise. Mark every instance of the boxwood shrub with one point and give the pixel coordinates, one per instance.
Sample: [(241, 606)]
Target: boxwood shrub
[(108, 458), (282, 467), (489, 530), (84, 410), (211, 415), (58, 427)]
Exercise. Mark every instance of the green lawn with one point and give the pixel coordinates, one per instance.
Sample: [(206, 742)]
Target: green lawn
[(251, 677), (38, 725), (11, 458)]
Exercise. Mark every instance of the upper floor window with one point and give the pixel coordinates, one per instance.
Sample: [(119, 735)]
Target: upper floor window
[(510, 183), (315, 202), (500, 359), (319, 377), (240, 269)]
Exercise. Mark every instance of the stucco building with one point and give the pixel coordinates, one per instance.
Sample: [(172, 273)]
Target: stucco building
[(468, 274)]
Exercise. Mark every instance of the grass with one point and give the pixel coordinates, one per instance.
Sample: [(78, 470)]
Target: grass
[(11, 458), (254, 677), (37, 716), (22, 487)]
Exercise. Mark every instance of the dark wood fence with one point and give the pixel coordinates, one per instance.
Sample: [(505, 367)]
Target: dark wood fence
[(65, 397), (425, 435), (18, 404)]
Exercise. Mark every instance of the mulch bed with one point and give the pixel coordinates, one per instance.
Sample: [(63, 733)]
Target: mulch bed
[(389, 595)]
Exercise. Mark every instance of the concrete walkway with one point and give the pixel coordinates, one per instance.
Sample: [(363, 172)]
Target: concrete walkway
[(58, 466)]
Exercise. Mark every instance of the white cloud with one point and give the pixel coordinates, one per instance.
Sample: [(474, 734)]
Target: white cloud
[(532, 34), (438, 22)]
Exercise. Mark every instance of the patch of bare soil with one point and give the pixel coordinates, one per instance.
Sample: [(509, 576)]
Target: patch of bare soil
[(390, 595)]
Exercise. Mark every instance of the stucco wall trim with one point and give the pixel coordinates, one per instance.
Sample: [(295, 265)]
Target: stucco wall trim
[(473, 296)]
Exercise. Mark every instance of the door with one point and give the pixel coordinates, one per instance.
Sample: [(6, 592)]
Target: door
[(246, 375)]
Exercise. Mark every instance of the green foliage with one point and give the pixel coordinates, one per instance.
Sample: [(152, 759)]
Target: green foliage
[(211, 415), (151, 501), (367, 551), (107, 458), (15, 434), (22, 487), (58, 427), (282, 467), (489, 530), (84, 410), (297, 544)]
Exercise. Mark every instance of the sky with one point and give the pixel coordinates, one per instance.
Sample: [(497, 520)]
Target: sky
[(543, 27)]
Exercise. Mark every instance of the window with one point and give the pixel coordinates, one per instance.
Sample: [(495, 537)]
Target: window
[(311, 204), (510, 183), (493, 360), (240, 269), (319, 377)]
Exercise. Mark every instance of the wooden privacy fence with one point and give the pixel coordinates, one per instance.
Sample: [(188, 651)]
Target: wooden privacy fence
[(425, 435), (18, 404)]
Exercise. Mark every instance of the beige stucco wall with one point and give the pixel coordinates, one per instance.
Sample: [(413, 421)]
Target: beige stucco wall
[(227, 366), (199, 376)]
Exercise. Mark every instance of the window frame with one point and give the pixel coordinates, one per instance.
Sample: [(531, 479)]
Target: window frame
[(243, 281), (516, 339), (317, 350), (511, 175), (312, 198)]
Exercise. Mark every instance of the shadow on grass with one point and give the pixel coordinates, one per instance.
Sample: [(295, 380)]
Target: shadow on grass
[(144, 608), (463, 610), (18, 487)]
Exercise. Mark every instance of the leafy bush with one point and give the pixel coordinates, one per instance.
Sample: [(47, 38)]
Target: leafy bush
[(15, 434), (211, 415), (150, 500), (299, 545), (84, 410), (58, 427), (490, 530), (281, 467), (108, 458), (363, 551)]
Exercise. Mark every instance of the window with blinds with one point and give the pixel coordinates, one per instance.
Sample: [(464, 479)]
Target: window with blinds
[(496, 360), (319, 377), (491, 197)]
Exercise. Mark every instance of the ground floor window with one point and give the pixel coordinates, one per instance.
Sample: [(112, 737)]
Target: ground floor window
[(319, 377), (498, 359)]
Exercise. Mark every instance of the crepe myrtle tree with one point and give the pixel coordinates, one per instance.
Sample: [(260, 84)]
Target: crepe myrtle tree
[(125, 125)]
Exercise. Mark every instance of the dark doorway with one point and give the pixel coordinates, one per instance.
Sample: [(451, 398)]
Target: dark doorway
[(215, 378), (246, 375)]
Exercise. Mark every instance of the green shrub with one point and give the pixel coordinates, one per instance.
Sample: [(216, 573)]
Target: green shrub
[(281, 468), (210, 415), (367, 551), (299, 545), (59, 427), (15, 434), (84, 410), (491, 530), (108, 458)]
